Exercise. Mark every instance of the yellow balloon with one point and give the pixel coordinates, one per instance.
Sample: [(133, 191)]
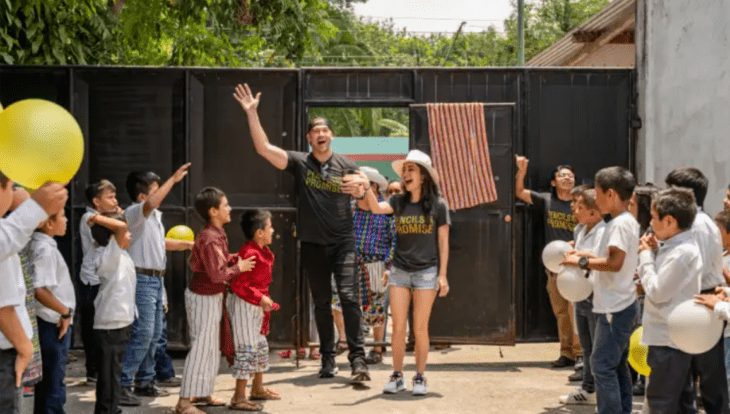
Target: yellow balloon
[(39, 141), (181, 232), (638, 353)]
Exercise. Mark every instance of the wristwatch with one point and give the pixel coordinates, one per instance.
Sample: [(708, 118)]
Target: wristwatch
[(583, 262), (69, 314)]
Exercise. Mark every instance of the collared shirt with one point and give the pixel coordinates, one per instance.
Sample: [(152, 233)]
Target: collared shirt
[(615, 291), (670, 277), (254, 285), (211, 262), (148, 237), (708, 239), (115, 302), (15, 233), (90, 249), (51, 272), (375, 234), (588, 242)]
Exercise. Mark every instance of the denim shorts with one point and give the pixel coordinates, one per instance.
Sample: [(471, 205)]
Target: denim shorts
[(421, 279)]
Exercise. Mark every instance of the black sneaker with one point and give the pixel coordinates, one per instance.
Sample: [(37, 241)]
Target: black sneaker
[(91, 380), (374, 357), (151, 390), (171, 382), (329, 369), (563, 362), (359, 371), (127, 399), (576, 376), (638, 389)]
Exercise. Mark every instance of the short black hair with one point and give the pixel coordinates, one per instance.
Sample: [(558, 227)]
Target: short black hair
[(101, 234), (562, 167), (3, 180), (207, 198), (677, 202), (95, 190), (139, 182), (692, 178), (618, 179), (723, 219), (253, 220)]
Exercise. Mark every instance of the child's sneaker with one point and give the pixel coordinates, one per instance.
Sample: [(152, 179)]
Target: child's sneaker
[(579, 397), (419, 385), (395, 384)]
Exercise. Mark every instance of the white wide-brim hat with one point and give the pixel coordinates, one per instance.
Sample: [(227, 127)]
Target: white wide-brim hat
[(375, 176), (416, 157)]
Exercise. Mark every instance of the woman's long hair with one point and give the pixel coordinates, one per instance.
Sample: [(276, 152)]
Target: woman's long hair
[(430, 193)]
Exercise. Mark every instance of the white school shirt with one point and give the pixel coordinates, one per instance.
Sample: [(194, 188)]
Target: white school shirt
[(709, 240), (15, 232), (115, 302), (51, 272), (148, 237), (670, 277), (722, 309), (90, 249), (615, 291), (589, 242)]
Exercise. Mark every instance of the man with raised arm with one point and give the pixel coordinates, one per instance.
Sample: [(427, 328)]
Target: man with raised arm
[(325, 229)]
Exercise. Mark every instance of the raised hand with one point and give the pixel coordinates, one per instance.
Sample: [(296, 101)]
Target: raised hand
[(244, 97), (181, 173), (522, 163), (51, 197)]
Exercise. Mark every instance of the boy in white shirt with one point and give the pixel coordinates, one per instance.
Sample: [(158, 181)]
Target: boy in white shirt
[(102, 198), (147, 250), (115, 309), (709, 367), (614, 291), (587, 238), (16, 348), (55, 300), (670, 274)]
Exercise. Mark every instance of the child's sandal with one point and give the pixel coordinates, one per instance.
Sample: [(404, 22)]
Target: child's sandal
[(268, 394), (245, 405)]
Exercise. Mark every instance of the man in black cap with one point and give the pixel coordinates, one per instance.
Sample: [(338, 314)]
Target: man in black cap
[(326, 230)]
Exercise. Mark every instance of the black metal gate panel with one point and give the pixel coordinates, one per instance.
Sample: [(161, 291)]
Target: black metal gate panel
[(479, 308)]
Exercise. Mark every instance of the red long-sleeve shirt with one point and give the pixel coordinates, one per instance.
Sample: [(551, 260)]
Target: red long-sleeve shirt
[(254, 285), (210, 262)]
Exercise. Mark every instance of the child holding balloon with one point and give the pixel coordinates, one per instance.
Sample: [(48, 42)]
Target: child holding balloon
[(670, 275), (590, 231)]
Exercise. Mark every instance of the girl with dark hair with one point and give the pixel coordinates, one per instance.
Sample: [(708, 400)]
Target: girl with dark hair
[(640, 205), (420, 258)]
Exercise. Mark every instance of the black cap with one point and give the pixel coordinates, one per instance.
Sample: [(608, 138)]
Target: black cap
[(319, 121)]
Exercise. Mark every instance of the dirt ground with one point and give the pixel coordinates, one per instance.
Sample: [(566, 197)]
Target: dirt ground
[(463, 379)]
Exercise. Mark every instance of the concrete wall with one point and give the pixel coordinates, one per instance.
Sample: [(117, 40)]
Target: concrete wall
[(683, 65)]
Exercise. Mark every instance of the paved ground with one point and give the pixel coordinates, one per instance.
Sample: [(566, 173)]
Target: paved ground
[(463, 379)]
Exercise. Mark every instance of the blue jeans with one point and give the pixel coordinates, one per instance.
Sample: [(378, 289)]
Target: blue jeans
[(585, 321), (610, 369), (163, 362), (139, 358), (50, 393)]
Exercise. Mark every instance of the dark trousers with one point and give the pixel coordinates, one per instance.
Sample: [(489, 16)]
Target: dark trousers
[(163, 362), (10, 396), (50, 393), (585, 321), (112, 345), (319, 263), (710, 369), (670, 377), (85, 301)]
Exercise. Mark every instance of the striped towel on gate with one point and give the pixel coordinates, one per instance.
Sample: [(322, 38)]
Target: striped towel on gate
[(460, 152)]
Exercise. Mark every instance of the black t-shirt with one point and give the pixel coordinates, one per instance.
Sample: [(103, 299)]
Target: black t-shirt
[(559, 220), (325, 216), (416, 246)]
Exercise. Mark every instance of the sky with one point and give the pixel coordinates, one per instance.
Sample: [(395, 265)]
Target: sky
[(427, 16)]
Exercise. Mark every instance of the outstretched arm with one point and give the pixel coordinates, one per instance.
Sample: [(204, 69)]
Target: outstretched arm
[(273, 154), (520, 191), (155, 199)]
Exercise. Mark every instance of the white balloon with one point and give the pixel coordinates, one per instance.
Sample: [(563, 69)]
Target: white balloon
[(573, 284), (553, 254), (694, 328)]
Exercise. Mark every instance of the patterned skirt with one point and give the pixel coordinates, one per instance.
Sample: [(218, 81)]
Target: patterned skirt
[(34, 373), (252, 349), (370, 288)]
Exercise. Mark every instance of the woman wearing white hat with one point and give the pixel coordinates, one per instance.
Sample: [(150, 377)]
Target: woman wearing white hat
[(420, 258)]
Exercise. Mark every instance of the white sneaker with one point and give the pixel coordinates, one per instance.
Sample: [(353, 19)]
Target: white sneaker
[(396, 384), (580, 397), (419, 385)]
